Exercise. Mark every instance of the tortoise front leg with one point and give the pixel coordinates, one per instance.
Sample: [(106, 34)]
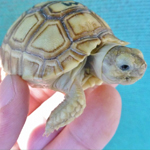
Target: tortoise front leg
[(68, 110)]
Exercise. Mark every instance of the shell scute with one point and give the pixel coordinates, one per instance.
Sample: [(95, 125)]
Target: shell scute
[(86, 46), (31, 67), (13, 26), (24, 30), (15, 61), (51, 70), (83, 24), (70, 56), (59, 9), (50, 41), (6, 58)]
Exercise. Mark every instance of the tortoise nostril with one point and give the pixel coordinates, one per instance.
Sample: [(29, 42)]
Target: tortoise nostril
[(124, 67)]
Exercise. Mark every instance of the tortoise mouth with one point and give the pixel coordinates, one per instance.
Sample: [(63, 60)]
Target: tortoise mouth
[(126, 80)]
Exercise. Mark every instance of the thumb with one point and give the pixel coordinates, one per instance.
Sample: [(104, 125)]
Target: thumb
[(14, 98)]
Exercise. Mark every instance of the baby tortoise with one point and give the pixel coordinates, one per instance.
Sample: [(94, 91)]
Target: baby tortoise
[(66, 47)]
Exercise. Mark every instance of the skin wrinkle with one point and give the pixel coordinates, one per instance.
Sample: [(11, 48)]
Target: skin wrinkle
[(77, 139)]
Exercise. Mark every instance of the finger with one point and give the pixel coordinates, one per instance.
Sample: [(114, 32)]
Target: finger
[(15, 147), (0, 75), (96, 126), (38, 96), (113, 85), (14, 99), (38, 141), (0, 64)]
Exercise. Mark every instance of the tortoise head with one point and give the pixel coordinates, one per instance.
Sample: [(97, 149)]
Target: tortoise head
[(123, 65)]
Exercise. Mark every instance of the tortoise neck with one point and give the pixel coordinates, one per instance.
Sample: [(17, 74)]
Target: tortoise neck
[(96, 60)]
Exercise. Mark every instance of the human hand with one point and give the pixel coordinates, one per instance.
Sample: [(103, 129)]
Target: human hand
[(92, 130)]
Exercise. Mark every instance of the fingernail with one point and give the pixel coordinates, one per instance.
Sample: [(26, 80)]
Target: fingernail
[(7, 91)]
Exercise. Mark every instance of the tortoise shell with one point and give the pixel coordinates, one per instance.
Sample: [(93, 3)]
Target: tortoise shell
[(51, 39)]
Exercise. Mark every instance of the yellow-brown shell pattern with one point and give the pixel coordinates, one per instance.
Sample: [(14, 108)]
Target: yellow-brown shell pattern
[(50, 39)]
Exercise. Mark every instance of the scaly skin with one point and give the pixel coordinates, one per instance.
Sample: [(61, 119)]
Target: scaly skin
[(123, 65), (68, 110)]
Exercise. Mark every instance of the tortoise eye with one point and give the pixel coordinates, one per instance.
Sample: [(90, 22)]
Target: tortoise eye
[(124, 67)]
